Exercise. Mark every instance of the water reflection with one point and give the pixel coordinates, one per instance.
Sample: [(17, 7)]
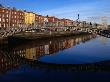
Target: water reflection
[(13, 57), (21, 62), (34, 50), (8, 62)]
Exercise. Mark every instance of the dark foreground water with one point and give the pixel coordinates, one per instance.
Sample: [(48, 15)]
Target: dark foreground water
[(84, 58)]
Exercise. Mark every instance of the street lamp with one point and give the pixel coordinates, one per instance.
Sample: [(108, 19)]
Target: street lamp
[(77, 21)]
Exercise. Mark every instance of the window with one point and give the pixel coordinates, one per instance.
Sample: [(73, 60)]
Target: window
[(4, 25), (0, 25), (7, 15), (0, 19), (3, 20), (3, 15), (3, 10), (7, 20), (7, 25), (19, 25), (7, 11)]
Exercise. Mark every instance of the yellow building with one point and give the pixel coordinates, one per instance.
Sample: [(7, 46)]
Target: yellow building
[(31, 53), (29, 18)]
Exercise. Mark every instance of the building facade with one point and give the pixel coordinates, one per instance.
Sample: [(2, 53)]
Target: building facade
[(4, 17), (20, 18), (52, 21), (14, 18), (29, 19), (40, 21), (11, 17)]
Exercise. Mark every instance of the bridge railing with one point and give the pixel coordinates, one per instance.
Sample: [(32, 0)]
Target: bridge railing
[(14, 30), (10, 31)]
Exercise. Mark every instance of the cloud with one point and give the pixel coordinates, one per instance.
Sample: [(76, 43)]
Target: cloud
[(85, 10), (67, 9), (71, 10)]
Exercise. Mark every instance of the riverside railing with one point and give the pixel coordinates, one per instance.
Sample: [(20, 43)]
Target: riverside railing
[(11, 31)]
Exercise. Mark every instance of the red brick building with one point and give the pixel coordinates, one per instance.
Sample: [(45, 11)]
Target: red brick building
[(52, 21), (40, 20), (67, 22), (11, 18), (20, 18), (60, 22), (17, 18), (4, 17), (36, 20)]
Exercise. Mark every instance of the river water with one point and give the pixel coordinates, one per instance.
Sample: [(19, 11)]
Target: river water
[(54, 59)]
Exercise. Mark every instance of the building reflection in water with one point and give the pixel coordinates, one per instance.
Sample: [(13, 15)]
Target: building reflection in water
[(27, 53), (34, 50), (8, 63)]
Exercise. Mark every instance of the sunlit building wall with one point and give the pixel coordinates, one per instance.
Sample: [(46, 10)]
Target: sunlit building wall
[(29, 18), (11, 17)]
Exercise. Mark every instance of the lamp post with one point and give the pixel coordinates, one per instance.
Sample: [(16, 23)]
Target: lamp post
[(77, 21)]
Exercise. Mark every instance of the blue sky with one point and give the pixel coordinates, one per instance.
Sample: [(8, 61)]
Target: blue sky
[(88, 9)]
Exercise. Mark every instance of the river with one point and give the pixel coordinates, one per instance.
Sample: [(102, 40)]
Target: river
[(73, 59)]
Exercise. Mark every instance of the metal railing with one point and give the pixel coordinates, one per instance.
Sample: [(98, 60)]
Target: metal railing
[(11, 31)]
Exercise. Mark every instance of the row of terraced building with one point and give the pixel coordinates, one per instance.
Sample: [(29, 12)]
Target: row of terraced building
[(12, 17)]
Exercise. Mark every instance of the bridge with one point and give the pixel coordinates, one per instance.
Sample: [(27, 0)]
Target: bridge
[(12, 31)]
